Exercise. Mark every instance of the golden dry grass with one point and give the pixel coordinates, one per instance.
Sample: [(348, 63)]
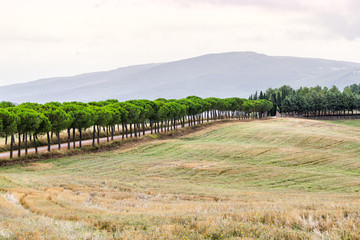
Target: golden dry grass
[(271, 179)]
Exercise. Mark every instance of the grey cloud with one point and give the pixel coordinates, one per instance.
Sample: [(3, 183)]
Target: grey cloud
[(346, 26), (273, 4), (344, 23), (28, 37), (101, 3)]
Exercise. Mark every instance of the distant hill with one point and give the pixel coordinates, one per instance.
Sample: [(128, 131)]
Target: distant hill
[(218, 75)]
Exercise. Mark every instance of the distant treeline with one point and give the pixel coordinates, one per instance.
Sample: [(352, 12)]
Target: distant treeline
[(312, 101), (29, 120)]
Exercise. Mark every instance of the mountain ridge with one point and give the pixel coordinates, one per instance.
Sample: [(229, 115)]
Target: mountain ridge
[(217, 74)]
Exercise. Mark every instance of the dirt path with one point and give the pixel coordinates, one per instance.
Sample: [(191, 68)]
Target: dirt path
[(64, 146)]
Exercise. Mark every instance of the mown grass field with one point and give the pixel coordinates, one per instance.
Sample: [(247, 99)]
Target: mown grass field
[(347, 122), (265, 179)]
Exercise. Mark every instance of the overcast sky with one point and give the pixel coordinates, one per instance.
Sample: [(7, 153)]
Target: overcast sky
[(48, 38)]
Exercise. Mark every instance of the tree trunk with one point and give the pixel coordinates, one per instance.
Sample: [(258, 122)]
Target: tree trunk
[(151, 126), (123, 131), (11, 146), (93, 135), (131, 130), (80, 136), (112, 133), (126, 130), (107, 133), (48, 141), (59, 141), (19, 148), (35, 144), (69, 138), (98, 134), (135, 132), (143, 127), (74, 144), (6, 139)]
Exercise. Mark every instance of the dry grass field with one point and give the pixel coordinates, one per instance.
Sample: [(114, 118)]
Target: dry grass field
[(265, 179)]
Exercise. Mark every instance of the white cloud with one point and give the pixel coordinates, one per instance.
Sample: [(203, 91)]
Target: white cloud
[(46, 38)]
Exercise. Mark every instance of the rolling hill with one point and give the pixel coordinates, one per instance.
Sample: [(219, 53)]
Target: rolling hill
[(218, 75), (281, 178)]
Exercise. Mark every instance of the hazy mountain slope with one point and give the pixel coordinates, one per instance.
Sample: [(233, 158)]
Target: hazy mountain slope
[(46, 88), (220, 75)]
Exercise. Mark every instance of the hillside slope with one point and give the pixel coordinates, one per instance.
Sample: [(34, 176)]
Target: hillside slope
[(265, 179), (219, 75)]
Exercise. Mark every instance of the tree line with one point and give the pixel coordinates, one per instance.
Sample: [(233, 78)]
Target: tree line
[(312, 101), (28, 121)]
